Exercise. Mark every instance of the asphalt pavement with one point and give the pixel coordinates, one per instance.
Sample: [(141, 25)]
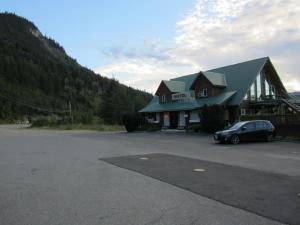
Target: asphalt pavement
[(271, 195), (56, 177)]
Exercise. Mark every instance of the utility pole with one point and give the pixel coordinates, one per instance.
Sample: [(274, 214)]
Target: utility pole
[(70, 112)]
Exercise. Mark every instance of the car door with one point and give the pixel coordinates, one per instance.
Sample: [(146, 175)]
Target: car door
[(261, 130), (252, 131), (248, 131)]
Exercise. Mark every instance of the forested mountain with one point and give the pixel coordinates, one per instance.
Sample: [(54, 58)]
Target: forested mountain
[(38, 77)]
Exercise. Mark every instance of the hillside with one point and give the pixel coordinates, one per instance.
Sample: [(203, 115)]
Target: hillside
[(38, 77)]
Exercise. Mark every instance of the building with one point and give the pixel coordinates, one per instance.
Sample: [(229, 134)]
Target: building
[(246, 88)]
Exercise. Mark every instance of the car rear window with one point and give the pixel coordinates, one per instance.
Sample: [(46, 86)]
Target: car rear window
[(269, 125), (261, 125)]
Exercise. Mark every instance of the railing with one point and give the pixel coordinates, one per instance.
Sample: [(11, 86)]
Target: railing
[(292, 100), (276, 119), (274, 97)]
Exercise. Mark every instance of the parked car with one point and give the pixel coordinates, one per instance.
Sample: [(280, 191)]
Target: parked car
[(247, 131)]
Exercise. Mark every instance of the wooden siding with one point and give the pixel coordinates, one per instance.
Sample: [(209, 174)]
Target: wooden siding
[(164, 90), (201, 83)]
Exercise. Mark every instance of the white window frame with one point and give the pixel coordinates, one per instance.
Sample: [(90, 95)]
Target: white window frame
[(201, 93), (243, 111), (163, 98)]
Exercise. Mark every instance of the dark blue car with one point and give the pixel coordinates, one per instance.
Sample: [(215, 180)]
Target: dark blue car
[(247, 131)]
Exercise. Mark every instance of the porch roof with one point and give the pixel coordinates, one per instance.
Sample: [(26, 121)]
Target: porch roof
[(155, 106)]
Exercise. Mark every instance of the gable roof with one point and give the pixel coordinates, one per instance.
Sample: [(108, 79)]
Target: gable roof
[(188, 80), (175, 86), (240, 76), (216, 79), (236, 80)]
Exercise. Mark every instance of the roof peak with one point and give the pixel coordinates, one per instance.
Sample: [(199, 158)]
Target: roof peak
[(210, 70), (234, 64)]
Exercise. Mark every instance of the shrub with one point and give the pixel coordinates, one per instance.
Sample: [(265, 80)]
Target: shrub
[(131, 121), (253, 117), (43, 121), (194, 128), (212, 118), (153, 127)]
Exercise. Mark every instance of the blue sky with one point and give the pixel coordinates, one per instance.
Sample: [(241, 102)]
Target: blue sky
[(86, 28), (142, 42)]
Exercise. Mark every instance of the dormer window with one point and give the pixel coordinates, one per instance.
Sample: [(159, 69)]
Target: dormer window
[(163, 98), (203, 93), (243, 111)]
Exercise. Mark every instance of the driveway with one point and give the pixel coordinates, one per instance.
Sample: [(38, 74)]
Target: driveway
[(56, 177)]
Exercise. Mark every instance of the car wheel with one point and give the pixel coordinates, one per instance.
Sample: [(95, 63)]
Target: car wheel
[(235, 139)]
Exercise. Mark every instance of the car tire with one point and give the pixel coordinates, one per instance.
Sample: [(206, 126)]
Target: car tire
[(235, 139)]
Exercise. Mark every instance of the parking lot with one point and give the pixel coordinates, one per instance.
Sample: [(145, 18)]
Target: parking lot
[(84, 177)]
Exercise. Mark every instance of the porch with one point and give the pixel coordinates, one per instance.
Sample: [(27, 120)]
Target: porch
[(174, 119)]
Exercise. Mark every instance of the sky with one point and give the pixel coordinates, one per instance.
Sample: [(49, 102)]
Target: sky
[(141, 43)]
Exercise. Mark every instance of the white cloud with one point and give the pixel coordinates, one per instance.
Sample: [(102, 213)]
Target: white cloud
[(217, 33)]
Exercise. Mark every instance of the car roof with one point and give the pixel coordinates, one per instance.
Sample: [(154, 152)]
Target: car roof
[(256, 121)]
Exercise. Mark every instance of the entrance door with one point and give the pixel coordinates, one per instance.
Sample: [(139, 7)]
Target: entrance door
[(173, 120), (182, 119), (166, 120)]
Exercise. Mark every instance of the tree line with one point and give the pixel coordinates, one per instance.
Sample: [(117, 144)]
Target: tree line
[(36, 71)]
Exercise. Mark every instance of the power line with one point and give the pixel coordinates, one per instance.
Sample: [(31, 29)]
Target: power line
[(31, 105)]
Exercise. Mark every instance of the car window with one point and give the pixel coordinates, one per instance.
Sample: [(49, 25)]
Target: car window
[(261, 125), (250, 126), (270, 125), (237, 125)]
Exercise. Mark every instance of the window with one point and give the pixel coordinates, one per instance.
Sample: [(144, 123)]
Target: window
[(273, 89), (252, 91), (163, 98), (157, 119), (194, 116), (258, 86), (203, 93), (250, 126), (243, 111), (261, 125), (153, 118), (267, 88)]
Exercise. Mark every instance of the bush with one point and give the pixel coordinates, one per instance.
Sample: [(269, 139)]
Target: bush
[(153, 127), (131, 121), (212, 118), (194, 128), (253, 117), (46, 121)]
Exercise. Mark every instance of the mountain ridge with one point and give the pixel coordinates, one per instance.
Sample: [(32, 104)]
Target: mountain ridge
[(36, 70)]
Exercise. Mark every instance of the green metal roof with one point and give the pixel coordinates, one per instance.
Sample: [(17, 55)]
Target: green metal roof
[(175, 86), (236, 80), (239, 77), (155, 106), (217, 79), (188, 80)]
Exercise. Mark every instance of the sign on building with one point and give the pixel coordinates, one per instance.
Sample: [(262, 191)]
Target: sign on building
[(180, 96)]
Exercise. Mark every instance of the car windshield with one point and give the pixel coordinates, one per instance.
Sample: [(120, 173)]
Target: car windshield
[(237, 125)]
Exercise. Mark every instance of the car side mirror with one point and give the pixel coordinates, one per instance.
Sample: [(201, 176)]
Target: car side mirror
[(244, 128)]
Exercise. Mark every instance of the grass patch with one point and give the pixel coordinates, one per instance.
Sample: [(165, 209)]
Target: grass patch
[(2, 121), (79, 126)]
